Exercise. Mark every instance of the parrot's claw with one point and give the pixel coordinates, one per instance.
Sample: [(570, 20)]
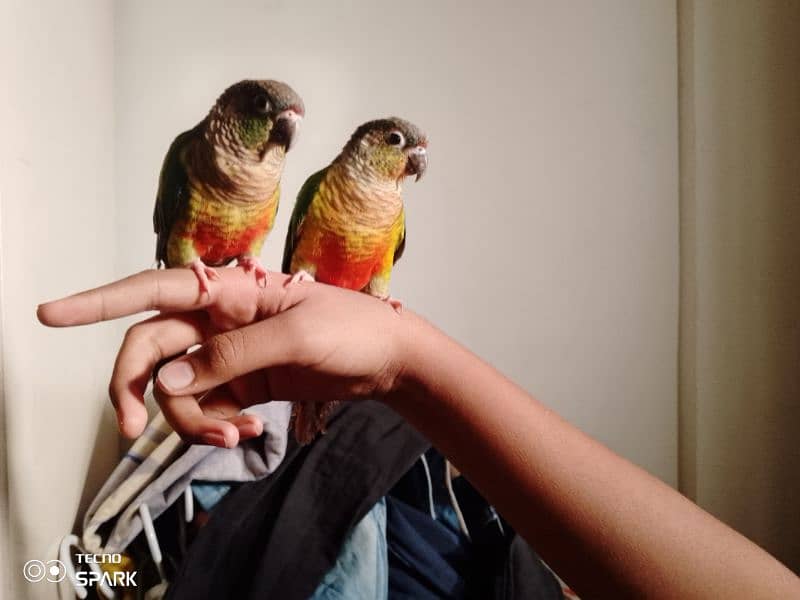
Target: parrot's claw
[(251, 263), (394, 303), (301, 276), (204, 274)]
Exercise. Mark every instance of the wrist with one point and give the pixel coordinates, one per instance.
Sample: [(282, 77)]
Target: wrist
[(414, 354)]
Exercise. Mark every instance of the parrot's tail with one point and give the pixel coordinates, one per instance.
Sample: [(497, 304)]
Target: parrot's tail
[(309, 419)]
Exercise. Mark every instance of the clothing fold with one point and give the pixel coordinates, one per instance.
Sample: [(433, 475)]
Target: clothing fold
[(159, 466)]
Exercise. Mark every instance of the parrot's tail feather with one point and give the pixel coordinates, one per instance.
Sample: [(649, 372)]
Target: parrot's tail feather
[(310, 419)]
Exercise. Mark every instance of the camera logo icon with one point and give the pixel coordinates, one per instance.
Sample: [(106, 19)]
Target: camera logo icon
[(35, 571)]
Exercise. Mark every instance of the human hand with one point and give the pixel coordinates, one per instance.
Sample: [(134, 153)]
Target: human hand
[(307, 342)]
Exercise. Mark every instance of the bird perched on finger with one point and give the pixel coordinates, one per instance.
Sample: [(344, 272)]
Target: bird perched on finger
[(220, 182), (348, 224)]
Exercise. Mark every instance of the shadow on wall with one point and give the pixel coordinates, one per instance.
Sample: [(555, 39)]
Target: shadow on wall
[(740, 299), (781, 275), (106, 451)]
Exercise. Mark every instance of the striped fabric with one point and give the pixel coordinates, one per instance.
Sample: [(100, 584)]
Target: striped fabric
[(147, 458)]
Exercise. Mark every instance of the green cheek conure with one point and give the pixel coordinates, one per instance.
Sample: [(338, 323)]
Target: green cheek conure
[(220, 183), (348, 225)]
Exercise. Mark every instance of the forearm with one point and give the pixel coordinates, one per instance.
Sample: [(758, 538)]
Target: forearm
[(604, 524)]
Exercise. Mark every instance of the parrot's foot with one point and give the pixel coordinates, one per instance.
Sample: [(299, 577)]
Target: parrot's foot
[(394, 303), (251, 263), (301, 276), (204, 274)]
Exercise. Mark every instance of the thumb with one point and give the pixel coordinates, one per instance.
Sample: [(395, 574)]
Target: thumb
[(229, 355)]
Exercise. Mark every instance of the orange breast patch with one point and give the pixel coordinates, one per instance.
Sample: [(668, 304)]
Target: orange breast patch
[(339, 266)]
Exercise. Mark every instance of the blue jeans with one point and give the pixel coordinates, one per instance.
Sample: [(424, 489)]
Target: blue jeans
[(361, 571)]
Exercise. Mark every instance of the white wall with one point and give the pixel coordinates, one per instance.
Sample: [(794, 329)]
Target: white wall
[(544, 235), (56, 190), (740, 325)]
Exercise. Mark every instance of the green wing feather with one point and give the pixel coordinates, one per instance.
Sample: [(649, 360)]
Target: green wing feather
[(401, 243), (304, 198), (173, 192)]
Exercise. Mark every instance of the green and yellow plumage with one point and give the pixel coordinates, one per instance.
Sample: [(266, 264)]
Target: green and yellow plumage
[(220, 183), (349, 235), (348, 224)]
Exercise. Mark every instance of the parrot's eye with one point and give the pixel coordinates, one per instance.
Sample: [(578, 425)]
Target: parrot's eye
[(395, 139), (261, 103)]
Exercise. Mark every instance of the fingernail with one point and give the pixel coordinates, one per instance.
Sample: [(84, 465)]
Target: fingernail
[(215, 439), (176, 375), (248, 430)]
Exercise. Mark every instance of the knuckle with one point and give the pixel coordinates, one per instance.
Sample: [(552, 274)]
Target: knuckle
[(103, 307), (224, 351), (302, 336), (139, 337), (155, 293), (179, 423), (135, 334)]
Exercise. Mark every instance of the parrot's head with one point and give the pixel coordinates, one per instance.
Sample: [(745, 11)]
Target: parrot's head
[(258, 114), (389, 148)]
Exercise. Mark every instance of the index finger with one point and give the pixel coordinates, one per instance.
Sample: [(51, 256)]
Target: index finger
[(163, 290)]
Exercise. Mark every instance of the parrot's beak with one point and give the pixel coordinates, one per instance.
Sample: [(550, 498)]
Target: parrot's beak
[(417, 162), (285, 129)]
